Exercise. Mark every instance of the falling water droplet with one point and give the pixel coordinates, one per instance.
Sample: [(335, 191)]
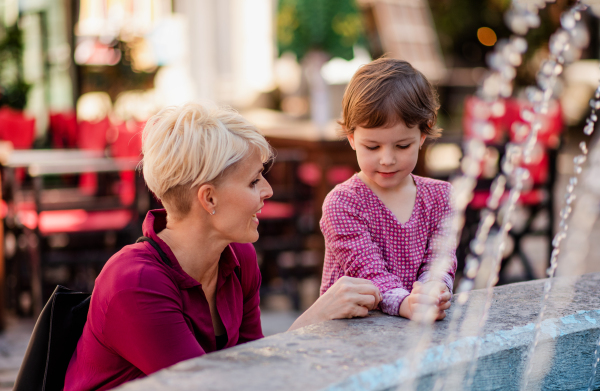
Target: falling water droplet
[(570, 188), (567, 20), (534, 94), (565, 212), (557, 239), (558, 42), (594, 117), (589, 128), (573, 181), (570, 198), (579, 159), (578, 169), (519, 44), (527, 115), (484, 130)]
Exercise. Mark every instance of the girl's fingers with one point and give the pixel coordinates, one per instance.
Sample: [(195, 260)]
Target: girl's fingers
[(444, 306), (425, 299), (446, 296)]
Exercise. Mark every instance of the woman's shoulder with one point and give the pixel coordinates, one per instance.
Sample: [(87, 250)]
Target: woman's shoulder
[(134, 266)]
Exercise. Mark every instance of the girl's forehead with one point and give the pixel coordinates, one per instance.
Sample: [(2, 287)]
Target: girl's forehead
[(394, 133)]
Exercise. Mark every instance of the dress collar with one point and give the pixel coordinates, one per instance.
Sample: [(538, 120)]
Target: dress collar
[(156, 221)]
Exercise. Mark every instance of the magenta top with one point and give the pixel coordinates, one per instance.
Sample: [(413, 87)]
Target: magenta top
[(363, 238), (145, 316)]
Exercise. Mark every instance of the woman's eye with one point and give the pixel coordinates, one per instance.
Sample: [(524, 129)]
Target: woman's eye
[(254, 182)]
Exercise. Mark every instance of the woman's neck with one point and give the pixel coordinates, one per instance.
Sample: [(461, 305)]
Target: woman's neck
[(196, 249)]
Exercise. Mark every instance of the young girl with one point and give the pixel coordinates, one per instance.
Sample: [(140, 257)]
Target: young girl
[(386, 224)]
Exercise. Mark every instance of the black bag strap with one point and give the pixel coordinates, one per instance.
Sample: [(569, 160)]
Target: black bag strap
[(162, 254), (166, 259)]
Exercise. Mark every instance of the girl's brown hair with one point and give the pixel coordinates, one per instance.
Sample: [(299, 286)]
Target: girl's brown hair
[(386, 91)]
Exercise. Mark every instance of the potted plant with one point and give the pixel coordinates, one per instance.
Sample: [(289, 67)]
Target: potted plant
[(315, 31), (14, 125)]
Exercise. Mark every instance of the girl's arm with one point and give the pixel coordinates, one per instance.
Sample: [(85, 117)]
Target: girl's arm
[(348, 238), (440, 246)]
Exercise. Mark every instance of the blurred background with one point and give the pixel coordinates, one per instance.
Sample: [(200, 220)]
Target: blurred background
[(79, 78)]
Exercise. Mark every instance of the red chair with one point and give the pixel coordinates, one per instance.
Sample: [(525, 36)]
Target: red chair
[(127, 143), (537, 198), (17, 128), (91, 136), (63, 129)]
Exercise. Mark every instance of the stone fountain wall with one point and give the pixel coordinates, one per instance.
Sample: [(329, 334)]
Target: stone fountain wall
[(373, 353)]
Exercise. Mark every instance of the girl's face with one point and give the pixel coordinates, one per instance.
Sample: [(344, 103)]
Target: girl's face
[(387, 156)]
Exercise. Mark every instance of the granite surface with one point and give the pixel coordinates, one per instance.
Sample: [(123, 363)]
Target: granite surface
[(382, 352)]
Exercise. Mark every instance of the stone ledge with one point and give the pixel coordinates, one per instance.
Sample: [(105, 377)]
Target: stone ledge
[(371, 353)]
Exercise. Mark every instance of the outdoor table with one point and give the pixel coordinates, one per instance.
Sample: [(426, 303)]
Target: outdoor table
[(40, 163)]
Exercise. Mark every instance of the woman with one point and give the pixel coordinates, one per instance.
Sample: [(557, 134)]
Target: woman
[(149, 312)]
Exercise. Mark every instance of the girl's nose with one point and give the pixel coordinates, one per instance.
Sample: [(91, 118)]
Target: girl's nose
[(387, 158)]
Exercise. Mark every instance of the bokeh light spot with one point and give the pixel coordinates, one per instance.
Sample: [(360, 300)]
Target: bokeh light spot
[(486, 36)]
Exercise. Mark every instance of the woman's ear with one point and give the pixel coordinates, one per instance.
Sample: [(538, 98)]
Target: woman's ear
[(207, 197), (350, 138)]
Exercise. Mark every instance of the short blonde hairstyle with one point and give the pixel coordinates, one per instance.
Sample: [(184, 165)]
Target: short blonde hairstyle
[(187, 146)]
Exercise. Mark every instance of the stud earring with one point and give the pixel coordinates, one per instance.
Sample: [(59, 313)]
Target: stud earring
[(213, 212)]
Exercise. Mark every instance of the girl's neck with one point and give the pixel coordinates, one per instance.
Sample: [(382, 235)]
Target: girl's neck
[(196, 249), (406, 184)]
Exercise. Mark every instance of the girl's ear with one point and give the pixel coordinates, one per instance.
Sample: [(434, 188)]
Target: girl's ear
[(350, 138), (423, 138), (207, 197)]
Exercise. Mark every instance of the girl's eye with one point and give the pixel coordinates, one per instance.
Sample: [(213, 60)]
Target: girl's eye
[(403, 146), (372, 148)]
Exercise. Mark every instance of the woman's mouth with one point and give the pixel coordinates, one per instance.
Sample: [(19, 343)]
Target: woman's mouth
[(254, 217)]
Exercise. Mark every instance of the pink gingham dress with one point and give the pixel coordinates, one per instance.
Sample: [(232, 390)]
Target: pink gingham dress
[(363, 238)]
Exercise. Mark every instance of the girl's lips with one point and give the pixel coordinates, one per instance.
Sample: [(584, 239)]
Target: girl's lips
[(387, 174)]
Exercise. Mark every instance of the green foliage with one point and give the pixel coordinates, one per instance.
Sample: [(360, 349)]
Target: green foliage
[(13, 88), (15, 94), (333, 26)]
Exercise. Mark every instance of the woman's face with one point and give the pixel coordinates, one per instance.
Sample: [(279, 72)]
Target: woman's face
[(387, 156), (240, 197)]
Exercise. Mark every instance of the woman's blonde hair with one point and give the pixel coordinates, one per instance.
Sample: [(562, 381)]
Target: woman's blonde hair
[(187, 146)]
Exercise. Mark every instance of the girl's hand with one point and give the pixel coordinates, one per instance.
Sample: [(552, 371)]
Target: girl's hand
[(349, 297), (429, 300)]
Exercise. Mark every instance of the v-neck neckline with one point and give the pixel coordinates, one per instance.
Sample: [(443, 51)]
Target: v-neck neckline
[(389, 211)]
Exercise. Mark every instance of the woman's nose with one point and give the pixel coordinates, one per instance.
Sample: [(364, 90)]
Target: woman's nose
[(267, 191)]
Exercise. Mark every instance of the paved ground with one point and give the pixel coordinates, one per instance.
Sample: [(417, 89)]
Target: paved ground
[(13, 343)]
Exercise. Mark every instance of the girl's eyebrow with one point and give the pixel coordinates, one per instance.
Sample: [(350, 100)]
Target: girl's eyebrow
[(398, 141)]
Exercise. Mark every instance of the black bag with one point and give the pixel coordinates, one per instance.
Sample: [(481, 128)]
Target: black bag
[(53, 341), (55, 336)]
